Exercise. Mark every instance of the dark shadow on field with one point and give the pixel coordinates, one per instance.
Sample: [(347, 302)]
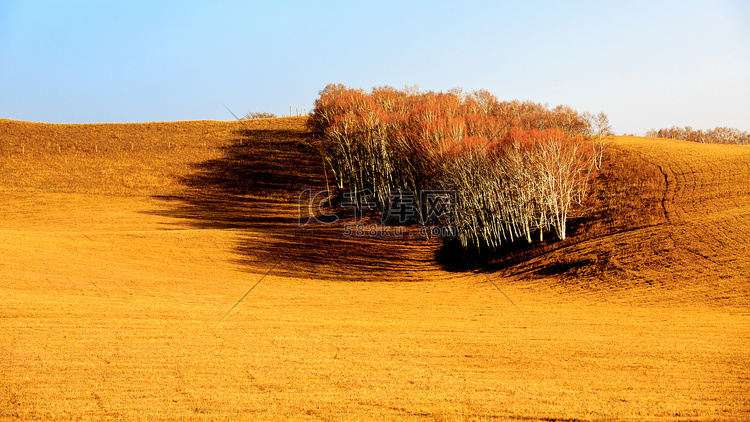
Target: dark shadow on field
[(452, 256), (256, 188), (257, 185)]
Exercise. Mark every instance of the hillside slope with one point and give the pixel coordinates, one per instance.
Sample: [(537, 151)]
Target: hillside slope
[(108, 159), (666, 213), (661, 213), (158, 272)]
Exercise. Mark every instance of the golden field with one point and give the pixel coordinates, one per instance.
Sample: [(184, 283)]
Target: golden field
[(124, 249)]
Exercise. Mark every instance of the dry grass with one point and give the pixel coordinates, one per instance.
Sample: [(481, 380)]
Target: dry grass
[(110, 159), (113, 305), (667, 213)]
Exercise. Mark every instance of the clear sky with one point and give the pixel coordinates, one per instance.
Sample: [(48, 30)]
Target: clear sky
[(644, 63)]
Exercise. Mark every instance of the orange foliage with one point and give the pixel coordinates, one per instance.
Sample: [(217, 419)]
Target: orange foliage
[(390, 139)]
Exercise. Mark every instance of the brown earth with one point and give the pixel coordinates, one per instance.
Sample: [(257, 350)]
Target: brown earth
[(158, 272)]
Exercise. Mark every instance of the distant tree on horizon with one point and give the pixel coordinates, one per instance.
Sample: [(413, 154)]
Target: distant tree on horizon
[(258, 115), (719, 135)]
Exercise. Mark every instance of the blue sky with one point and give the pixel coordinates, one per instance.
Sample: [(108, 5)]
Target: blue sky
[(644, 63)]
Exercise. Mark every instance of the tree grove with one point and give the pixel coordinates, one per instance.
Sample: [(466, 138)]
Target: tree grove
[(515, 168)]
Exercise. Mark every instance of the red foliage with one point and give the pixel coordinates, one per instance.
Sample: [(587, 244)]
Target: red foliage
[(392, 139)]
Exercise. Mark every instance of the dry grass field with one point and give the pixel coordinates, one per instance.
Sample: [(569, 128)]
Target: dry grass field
[(125, 248)]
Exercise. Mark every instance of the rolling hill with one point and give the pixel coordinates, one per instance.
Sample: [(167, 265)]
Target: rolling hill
[(158, 271)]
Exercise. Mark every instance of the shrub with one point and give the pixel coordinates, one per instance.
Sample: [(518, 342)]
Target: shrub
[(258, 115)]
